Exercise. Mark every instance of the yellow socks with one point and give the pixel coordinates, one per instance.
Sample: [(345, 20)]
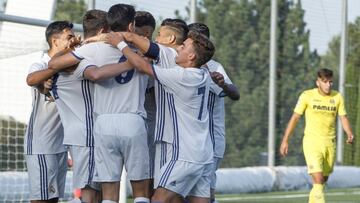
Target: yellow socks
[(317, 194)]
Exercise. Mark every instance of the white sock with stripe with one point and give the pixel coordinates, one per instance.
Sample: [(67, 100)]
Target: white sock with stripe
[(108, 201), (141, 200)]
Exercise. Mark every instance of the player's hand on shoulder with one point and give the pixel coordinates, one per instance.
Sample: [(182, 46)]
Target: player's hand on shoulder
[(114, 38), (97, 38), (74, 42), (218, 78)]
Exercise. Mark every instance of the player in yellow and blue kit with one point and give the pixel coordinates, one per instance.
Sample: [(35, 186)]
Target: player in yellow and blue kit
[(321, 106)]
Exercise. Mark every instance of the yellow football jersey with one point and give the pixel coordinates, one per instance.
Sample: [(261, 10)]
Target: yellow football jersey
[(320, 113)]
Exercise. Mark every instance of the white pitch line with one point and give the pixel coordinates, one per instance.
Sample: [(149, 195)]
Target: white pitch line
[(285, 196)]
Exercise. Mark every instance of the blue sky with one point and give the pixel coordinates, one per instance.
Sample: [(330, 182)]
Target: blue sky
[(323, 17)]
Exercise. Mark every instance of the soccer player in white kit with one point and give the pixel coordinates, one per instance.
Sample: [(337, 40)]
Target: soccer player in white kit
[(186, 89), (145, 26), (73, 96), (220, 87), (119, 131), (172, 34), (46, 156)]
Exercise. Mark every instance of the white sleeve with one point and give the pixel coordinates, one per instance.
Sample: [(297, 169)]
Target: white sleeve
[(164, 56), (86, 51), (37, 66), (216, 89), (170, 78), (82, 66)]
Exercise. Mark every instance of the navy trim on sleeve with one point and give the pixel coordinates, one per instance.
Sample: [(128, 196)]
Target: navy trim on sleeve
[(88, 66), (153, 51), (222, 94), (78, 57)]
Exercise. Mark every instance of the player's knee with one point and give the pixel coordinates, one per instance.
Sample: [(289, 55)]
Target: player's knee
[(318, 178)]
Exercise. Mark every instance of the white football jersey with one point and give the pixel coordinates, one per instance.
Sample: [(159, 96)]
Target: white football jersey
[(124, 93), (44, 133), (165, 58), (186, 94), (217, 110), (74, 98)]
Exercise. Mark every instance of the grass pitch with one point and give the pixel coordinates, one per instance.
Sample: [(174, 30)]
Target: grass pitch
[(349, 195)]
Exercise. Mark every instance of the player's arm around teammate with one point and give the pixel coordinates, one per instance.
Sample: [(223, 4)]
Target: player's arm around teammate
[(67, 58), (58, 42), (45, 152), (117, 40), (186, 57)]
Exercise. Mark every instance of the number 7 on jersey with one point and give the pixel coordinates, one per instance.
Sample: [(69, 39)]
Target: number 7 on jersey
[(201, 91)]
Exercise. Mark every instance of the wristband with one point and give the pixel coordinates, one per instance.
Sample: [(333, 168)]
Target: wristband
[(121, 45)]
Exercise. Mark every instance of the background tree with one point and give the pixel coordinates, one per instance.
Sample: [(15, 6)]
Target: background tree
[(352, 91), (70, 10), (352, 84), (241, 31)]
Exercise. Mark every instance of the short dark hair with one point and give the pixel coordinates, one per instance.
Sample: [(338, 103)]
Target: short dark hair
[(179, 26), (56, 27), (93, 21), (200, 27), (120, 16), (203, 47), (325, 73), (144, 18)]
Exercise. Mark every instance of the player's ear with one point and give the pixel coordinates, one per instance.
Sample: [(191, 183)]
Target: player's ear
[(317, 82), (131, 27), (54, 42), (192, 56), (172, 39)]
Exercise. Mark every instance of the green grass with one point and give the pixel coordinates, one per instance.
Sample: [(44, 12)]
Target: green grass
[(351, 195), (348, 195)]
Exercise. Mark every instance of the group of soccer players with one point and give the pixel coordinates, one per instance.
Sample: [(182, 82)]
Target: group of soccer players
[(156, 108)]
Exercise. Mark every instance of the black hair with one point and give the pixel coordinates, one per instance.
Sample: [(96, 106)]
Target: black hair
[(201, 28), (120, 16), (56, 27), (203, 47), (179, 26), (144, 18), (325, 73)]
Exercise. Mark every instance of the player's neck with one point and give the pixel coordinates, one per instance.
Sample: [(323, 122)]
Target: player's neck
[(174, 46), (52, 52), (323, 93), (187, 64)]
